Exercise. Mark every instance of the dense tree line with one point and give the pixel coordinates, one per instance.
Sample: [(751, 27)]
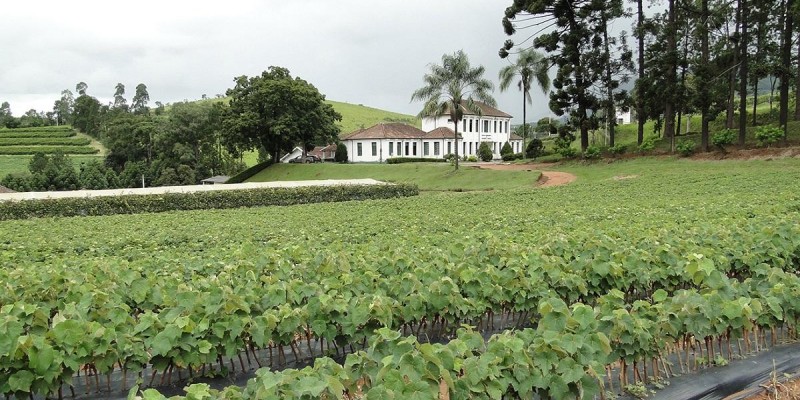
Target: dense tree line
[(187, 141), (695, 57)]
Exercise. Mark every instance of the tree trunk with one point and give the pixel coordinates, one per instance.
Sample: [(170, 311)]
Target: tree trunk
[(455, 138), (730, 114), (743, 45), (797, 86), (640, 92), (704, 59), (786, 65), (610, 111), (669, 106), (524, 123)]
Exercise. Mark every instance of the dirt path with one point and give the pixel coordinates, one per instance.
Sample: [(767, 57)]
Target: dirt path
[(555, 178), (548, 178)]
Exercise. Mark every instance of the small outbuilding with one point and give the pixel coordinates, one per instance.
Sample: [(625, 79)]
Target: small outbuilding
[(215, 180)]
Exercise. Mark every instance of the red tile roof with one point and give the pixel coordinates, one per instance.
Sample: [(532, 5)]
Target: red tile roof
[(514, 136), (390, 130), (441, 132), (486, 110)]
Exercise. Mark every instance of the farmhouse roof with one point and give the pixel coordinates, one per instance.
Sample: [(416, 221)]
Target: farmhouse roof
[(514, 136), (441, 132), (486, 110), (391, 130), (216, 179)]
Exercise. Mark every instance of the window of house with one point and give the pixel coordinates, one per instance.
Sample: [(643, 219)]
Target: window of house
[(414, 148), (463, 125), (470, 125), (495, 126), (391, 148), (374, 149), (425, 149), (470, 147), (449, 148), (486, 126), (359, 151), (436, 148), (464, 150), (399, 149), (506, 131), (620, 121), (406, 148)]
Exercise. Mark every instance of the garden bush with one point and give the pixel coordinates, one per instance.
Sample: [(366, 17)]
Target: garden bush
[(512, 156), (617, 149), (592, 153), (535, 148), (723, 138), (685, 147), (341, 153), (506, 149), (485, 152), (648, 144), (768, 135)]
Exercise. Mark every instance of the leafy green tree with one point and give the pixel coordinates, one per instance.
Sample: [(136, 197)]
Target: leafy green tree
[(93, 176), (569, 46), (86, 115), (63, 107), (277, 112), (534, 148), (529, 65), (452, 87), (341, 153), (81, 88), (5, 115), (140, 99), (119, 97)]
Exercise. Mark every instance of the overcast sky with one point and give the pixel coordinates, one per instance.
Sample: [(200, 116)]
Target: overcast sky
[(358, 51)]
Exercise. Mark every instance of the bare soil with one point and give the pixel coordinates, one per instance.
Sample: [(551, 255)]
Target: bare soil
[(548, 178), (781, 390), (4, 189)]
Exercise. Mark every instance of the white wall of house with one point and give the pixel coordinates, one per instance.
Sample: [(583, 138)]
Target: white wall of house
[(474, 130), (379, 150), (624, 118)]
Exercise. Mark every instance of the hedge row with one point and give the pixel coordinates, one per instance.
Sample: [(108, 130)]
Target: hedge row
[(60, 128), (401, 160), (25, 150), (152, 203), (44, 141), (15, 133), (248, 173)]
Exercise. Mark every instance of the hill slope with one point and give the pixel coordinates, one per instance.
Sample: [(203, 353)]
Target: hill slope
[(358, 116)]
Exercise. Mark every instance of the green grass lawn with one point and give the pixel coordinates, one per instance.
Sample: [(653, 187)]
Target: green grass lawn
[(429, 176), (16, 164)]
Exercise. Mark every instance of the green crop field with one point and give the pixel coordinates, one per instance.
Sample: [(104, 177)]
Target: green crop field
[(428, 176), (612, 275), (17, 146)]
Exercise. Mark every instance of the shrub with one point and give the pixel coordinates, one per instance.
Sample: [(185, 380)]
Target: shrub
[(402, 160), (341, 153), (567, 152), (449, 157), (768, 135), (472, 158), (592, 153), (512, 156), (506, 149), (648, 144), (149, 203), (617, 149), (24, 150), (485, 152), (685, 147), (534, 148), (723, 138)]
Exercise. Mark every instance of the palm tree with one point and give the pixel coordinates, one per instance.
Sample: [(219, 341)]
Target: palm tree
[(530, 64), (452, 87)]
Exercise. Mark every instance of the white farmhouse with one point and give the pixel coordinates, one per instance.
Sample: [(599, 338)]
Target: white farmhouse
[(436, 139)]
